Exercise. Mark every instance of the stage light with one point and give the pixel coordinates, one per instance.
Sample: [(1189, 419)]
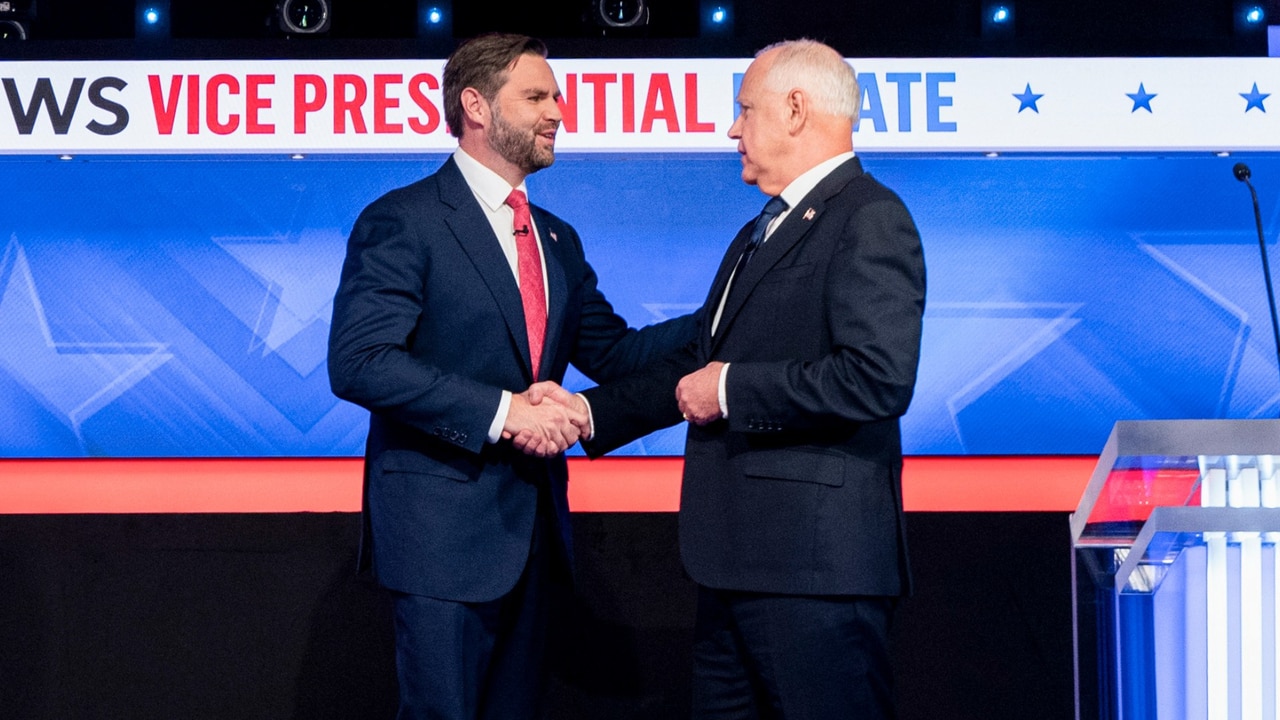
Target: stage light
[(1250, 18), (717, 18), (152, 19), (998, 20), (621, 13), (435, 19), (15, 19), (304, 17)]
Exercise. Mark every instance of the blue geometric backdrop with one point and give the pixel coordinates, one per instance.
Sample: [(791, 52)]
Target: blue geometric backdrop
[(179, 307)]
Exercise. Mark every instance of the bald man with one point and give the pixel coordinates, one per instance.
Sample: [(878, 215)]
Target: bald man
[(791, 510)]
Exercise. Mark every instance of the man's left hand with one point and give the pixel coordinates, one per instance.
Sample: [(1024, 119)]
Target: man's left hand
[(699, 394)]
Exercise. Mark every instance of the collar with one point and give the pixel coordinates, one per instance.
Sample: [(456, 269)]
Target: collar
[(488, 186), (801, 186)]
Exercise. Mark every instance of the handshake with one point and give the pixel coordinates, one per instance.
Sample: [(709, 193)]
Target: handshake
[(546, 420)]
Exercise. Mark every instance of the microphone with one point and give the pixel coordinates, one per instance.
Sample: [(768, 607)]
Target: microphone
[(1242, 173), (523, 230)]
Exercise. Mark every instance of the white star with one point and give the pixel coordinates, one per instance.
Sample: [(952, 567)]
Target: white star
[(1224, 269), (666, 311), (299, 275), (73, 380), (955, 371)]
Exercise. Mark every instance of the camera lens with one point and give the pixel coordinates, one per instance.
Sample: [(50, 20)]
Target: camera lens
[(305, 16), (621, 13), (12, 30)]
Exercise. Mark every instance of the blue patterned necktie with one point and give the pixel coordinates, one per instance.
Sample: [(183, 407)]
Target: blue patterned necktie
[(772, 209)]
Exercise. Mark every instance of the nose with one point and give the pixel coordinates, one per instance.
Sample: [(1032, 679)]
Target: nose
[(553, 112), (735, 130)]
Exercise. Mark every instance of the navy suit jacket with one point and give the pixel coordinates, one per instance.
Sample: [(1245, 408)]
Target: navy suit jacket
[(428, 330), (798, 491)]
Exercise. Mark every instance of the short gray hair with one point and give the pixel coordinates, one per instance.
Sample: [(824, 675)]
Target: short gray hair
[(818, 69)]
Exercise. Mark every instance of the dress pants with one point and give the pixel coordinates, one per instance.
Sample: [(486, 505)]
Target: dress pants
[(760, 656), (487, 660)]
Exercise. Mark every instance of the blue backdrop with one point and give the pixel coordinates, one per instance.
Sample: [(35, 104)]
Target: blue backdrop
[(154, 306)]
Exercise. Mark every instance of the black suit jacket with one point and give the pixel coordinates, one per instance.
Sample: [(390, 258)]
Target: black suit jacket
[(428, 330), (799, 490)]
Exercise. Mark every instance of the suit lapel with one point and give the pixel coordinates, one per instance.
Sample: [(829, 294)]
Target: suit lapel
[(802, 218), (720, 282), (474, 233), (557, 288)]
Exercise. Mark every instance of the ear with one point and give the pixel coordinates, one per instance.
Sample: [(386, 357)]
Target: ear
[(797, 110), (475, 109)]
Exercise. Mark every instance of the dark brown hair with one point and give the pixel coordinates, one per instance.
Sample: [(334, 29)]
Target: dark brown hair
[(482, 63)]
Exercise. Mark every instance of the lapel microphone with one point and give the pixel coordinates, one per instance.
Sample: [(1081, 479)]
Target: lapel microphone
[(524, 230)]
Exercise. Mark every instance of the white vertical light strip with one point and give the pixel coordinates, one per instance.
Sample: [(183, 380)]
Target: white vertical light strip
[(1251, 686), (1213, 493), (1269, 497), (1244, 491)]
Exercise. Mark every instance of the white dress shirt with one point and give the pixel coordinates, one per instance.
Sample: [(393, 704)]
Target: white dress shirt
[(491, 192)]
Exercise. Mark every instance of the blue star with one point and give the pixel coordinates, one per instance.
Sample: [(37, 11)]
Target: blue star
[(1027, 99), (1141, 99), (1255, 99)]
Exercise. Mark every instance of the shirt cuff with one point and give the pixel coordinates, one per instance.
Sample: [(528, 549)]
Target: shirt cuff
[(500, 418), (722, 394), (591, 421)]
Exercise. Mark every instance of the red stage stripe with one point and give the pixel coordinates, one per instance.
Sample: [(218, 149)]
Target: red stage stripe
[(969, 484)]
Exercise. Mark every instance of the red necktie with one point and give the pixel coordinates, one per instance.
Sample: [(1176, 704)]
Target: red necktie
[(529, 264)]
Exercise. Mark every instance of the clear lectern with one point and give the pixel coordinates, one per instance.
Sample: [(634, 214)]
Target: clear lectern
[(1175, 573)]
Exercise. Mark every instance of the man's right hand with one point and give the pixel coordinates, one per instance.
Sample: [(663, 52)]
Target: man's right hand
[(545, 420)]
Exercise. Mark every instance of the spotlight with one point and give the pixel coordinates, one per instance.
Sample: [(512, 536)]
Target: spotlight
[(717, 17), (152, 19), (998, 19), (304, 17), (621, 13), (1250, 17), (16, 19), (435, 19)]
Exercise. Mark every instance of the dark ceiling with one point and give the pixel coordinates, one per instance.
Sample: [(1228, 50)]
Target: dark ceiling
[(858, 28)]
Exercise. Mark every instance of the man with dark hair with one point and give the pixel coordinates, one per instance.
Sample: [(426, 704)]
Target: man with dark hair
[(455, 293)]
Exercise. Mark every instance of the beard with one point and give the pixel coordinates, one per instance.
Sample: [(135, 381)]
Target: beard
[(519, 147)]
